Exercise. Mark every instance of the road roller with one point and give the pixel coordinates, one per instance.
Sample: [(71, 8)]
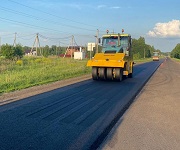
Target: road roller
[(115, 61)]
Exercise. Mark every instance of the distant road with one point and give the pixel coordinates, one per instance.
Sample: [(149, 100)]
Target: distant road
[(77, 116)]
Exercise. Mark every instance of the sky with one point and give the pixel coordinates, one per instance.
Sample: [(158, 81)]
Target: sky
[(59, 22)]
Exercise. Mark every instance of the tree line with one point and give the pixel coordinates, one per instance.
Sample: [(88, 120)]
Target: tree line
[(139, 47), (175, 53), (18, 51)]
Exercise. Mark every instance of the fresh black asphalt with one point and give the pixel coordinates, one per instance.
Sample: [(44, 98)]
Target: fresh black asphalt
[(72, 117)]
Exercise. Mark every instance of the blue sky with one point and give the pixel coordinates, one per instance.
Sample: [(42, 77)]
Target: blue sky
[(158, 21)]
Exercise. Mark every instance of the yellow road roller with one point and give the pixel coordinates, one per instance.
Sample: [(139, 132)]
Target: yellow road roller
[(155, 56), (116, 59)]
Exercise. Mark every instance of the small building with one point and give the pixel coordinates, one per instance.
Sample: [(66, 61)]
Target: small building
[(28, 52), (72, 49), (79, 55), (70, 52)]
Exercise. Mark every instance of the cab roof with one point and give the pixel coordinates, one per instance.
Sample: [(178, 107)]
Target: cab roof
[(109, 35)]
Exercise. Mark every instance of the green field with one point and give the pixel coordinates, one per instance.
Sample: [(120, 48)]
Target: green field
[(31, 71)]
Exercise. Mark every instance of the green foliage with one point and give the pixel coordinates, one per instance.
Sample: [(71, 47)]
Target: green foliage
[(165, 53), (136, 56), (30, 71), (7, 51), (12, 53), (141, 49), (46, 51), (18, 51), (53, 50), (175, 53)]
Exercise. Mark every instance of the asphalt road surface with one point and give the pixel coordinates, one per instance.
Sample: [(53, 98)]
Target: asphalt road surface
[(153, 121), (77, 116)]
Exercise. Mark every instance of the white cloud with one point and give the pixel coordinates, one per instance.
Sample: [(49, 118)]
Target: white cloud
[(115, 7), (166, 30), (105, 6), (101, 6)]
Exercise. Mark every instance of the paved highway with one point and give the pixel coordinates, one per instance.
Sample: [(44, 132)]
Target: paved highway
[(77, 116)]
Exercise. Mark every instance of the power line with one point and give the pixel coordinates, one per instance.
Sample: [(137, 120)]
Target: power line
[(59, 40), (45, 20), (75, 42), (35, 26), (14, 44), (53, 38), (52, 14), (27, 35), (30, 25), (25, 38)]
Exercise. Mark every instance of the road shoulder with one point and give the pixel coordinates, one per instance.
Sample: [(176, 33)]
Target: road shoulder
[(153, 120)]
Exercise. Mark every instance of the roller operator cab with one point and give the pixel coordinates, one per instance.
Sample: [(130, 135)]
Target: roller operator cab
[(116, 59)]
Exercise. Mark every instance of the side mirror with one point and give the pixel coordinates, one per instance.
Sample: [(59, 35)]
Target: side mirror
[(99, 40), (127, 53)]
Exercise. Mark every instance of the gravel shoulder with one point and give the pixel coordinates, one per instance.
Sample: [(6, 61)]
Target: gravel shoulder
[(153, 120)]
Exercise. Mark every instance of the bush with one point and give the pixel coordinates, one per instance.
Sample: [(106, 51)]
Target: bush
[(12, 53)]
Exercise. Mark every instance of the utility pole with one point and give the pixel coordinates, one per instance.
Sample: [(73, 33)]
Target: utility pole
[(97, 41), (0, 44), (59, 49), (37, 44), (56, 49), (144, 53), (90, 51), (72, 45), (14, 44)]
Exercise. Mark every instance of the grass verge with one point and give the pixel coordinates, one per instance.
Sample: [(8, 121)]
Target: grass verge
[(31, 71)]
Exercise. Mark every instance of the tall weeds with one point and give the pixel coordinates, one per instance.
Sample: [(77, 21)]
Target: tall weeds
[(31, 71)]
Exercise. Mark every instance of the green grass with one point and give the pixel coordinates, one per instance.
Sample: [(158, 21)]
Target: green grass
[(142, 60), (36, 71), (31, 71), (178, 60)]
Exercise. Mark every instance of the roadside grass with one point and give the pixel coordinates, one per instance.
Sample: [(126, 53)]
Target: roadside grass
[(177, 60), (142, 60), (31, 71)]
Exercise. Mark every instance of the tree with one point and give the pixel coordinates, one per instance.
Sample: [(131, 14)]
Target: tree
[(141, 49), (46, 51), (53, 50), (138, 47), (18, 51), (10, 52), (175, 53), (7, 51)]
